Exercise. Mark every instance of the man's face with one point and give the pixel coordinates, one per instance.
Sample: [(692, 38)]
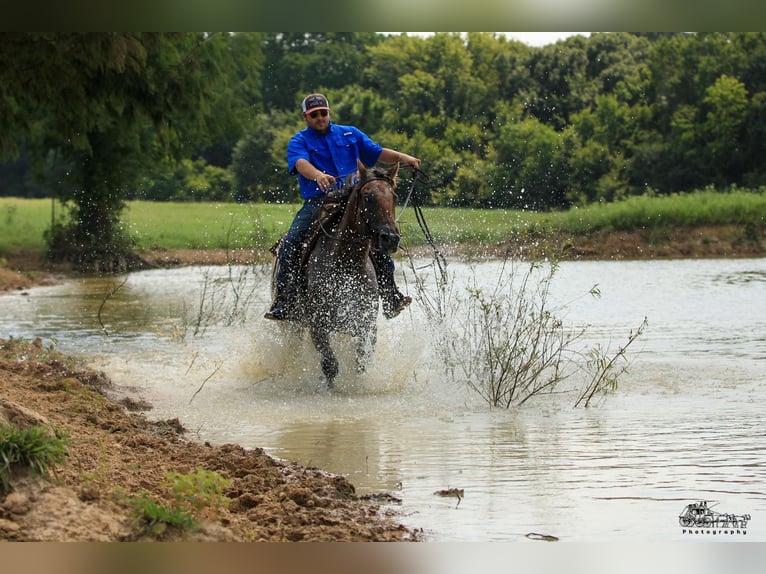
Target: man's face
[(318, 120)]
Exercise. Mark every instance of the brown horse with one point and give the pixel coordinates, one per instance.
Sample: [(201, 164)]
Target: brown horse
[(341, 288), (340, 293)]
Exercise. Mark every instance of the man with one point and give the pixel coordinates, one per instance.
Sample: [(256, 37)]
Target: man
[(323, 154)]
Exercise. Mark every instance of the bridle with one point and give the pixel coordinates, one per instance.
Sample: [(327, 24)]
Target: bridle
[(358, 189)]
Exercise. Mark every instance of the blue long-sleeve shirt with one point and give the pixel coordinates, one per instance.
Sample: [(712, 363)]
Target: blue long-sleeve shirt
[(334, 153)]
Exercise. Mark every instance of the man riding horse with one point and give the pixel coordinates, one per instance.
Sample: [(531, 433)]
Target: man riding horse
[(324, 155)]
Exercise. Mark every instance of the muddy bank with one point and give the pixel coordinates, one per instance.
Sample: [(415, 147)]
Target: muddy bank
[(114, 453)]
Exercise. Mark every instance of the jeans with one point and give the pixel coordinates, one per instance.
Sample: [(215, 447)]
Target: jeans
[(290, 250)]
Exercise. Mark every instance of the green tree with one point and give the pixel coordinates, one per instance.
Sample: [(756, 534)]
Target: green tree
[(599, 145), (104, 107), (259, 163), (560, 75), (361, 107), (297, 63), (236, 102), (530, 164), (726, 108), (754, 172), (389, 60)]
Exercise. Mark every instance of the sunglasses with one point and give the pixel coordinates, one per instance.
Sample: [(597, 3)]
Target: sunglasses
[(313, 115)]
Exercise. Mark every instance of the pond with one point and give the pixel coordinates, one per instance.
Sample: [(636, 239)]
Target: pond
[(685, 423)]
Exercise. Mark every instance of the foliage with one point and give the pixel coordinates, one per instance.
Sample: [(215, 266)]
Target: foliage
[(95, 119), (507, 342), (33, 447), (605, 370), (259, 161), (154, 518), (201, 492), (192, 497), (529, 166), (188, 180)]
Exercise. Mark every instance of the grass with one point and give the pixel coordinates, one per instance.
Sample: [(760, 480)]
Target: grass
[(193, 497), (257, 226), (706, 207), (23, 222), (33, 447)]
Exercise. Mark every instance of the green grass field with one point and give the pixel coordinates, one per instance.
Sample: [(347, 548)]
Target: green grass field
[(221, 225)]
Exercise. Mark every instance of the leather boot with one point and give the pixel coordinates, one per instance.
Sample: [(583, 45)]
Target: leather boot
[(394, 303), (393, 300), (281, 310)]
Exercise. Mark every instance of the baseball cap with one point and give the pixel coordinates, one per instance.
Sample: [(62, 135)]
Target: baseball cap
[(314, 102)]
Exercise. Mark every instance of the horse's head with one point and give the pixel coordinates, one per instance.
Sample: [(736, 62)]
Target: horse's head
[(376, 204)]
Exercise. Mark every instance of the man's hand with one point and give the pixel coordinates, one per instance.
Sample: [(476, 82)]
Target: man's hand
[(409, 161), (325, 182)]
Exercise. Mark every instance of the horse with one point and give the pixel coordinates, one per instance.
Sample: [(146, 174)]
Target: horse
[(339, 291)]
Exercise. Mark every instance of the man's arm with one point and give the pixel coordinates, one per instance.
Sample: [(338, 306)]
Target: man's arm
[(389, 155), (324, 181)]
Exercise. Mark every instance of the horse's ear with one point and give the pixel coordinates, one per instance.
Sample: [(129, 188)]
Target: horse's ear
[(393, 171), (362, 169)]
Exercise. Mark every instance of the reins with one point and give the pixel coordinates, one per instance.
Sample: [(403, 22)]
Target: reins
[(357, 189), (419, 177), (418, 174), (441, 261)]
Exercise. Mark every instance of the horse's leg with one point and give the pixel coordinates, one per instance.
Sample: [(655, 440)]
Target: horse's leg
[(321, 341), (365, 342), (366, 327)]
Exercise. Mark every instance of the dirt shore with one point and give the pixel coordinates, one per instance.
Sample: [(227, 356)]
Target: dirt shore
[(115, 452)]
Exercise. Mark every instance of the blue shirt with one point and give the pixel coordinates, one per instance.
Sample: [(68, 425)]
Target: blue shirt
[(334, 153)]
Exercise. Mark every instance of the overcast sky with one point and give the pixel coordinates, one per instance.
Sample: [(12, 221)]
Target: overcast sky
[(530, 38), (541, 38)]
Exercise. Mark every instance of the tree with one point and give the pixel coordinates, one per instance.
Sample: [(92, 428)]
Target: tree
[(297, 63), (104, 107), (235, 103), (723, 127), (259, 163), (530, 164)]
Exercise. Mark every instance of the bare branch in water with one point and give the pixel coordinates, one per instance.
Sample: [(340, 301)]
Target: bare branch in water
[(210, 376), (105, 299)]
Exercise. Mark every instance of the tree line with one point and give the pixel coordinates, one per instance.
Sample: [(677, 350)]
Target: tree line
[(96, 119)]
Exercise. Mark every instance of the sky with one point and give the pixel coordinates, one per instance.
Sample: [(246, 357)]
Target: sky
[(535, 39), (540, 38)]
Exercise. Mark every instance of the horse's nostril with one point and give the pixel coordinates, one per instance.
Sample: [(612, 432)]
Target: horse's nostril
[(389, 240)]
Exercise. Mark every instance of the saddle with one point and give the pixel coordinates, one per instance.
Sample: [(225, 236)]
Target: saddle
[(325, 217)]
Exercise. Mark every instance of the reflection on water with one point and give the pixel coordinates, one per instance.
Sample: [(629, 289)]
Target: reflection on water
[(685, 424)]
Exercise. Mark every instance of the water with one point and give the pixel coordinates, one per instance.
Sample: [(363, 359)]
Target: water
[(685, 424)]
